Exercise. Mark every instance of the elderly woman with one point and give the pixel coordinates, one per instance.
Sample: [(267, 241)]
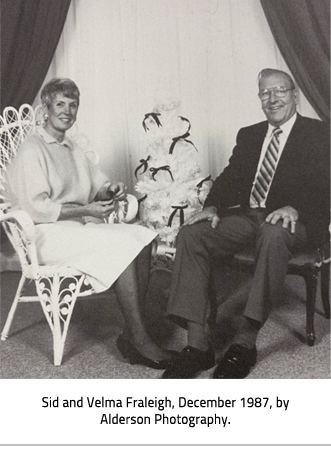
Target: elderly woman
[(53, 180)]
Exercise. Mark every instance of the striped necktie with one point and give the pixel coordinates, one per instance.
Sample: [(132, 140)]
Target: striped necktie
[(267, 169)]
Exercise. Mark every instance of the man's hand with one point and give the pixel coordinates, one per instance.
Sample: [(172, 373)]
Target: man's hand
[(287, 214), (207, 214)]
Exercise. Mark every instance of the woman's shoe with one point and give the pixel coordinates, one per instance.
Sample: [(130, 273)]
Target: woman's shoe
[(129, 352)]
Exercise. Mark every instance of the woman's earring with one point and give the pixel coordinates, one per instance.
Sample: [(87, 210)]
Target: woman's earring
[(45, 116)]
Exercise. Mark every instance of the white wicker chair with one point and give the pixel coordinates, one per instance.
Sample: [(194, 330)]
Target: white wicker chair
[(57, 287)]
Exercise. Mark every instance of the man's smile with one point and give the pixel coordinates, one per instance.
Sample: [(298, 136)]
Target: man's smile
[(275, 107)]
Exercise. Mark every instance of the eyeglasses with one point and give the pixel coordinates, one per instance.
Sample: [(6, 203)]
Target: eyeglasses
[(279, 92)]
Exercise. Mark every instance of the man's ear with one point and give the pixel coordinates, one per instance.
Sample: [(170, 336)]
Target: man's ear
[(296, 96)]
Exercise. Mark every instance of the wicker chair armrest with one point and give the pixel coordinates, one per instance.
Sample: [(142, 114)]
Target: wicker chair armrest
[(20, 230)]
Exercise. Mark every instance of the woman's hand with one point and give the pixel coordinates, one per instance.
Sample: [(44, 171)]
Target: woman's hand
[(119, 189), (100, 209)]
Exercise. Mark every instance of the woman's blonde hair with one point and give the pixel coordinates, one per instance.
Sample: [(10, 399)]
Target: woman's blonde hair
[(63, 86)]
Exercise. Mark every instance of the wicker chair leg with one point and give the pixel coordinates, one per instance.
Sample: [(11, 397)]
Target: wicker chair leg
[(58, 299), (311, 289), (58, 342), (13, 308), (325, 288)]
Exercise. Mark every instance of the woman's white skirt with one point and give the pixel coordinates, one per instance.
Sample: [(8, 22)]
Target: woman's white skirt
[(102, 251)]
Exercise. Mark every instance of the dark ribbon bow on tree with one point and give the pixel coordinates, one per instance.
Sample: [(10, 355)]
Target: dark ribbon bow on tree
[(154, 171), (155, 117), (183, 137), (179, 208), (199, 185), (139, 202), (144, 165)]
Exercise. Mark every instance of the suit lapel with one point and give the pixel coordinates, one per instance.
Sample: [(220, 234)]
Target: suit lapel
[(293, 145), (256, 144), (290, 160)]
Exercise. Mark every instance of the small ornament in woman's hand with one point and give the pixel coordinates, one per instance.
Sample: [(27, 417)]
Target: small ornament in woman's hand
[(111, 194)]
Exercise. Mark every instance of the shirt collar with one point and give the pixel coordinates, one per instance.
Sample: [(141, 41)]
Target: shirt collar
[(50, 140), (285, 128)]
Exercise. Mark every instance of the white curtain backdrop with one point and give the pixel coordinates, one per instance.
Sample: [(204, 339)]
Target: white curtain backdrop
[(127, 56)]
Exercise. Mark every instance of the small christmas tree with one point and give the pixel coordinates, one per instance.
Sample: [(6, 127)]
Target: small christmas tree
[(170, 182)]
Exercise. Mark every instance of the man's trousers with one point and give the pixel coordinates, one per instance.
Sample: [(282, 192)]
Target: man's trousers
[(199, 247)]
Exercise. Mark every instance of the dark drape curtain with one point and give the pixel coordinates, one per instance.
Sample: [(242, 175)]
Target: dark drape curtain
[(30, 31), (301, 29)]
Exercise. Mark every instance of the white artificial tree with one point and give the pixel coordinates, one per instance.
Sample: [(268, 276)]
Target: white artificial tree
[(170, 183)]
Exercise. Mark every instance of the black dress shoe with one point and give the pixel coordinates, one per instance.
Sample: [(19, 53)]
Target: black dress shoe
[(236, 363), (189, 362), (129, 352)]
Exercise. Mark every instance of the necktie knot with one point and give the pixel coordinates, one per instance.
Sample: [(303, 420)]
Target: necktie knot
[(276, 132)]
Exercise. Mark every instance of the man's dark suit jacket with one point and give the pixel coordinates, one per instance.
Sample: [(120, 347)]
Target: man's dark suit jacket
[(302, 178)]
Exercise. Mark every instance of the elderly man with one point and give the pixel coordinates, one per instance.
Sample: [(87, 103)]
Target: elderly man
[(273, 194)]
